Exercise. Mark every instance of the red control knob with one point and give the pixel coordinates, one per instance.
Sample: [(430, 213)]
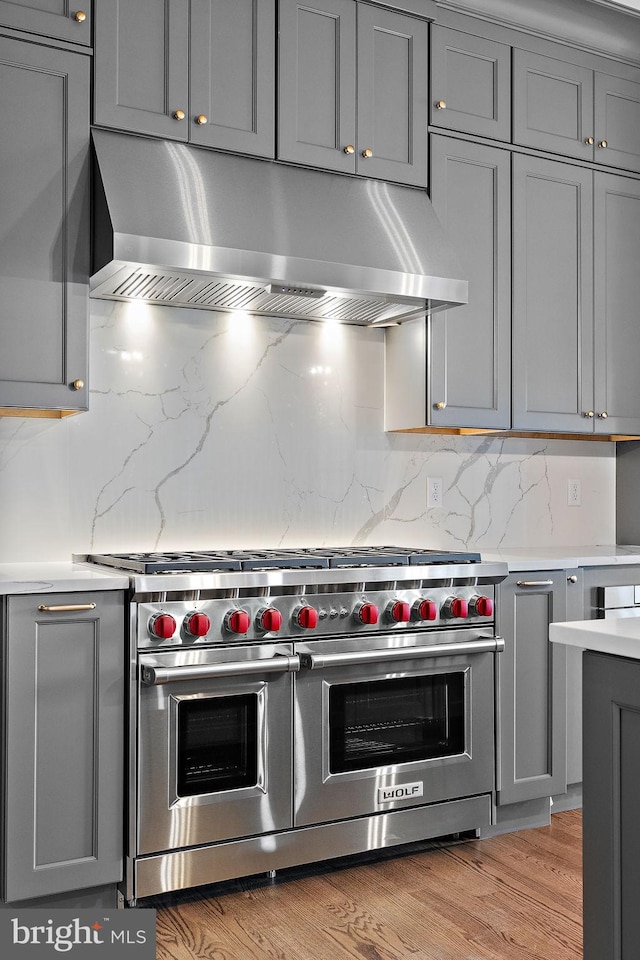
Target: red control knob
[(307, 618), (197, 624), (399, 612), (483, 606), (238, 621), (162, 625), (366, 613), (269, 620), (459, 608), (425, 610)]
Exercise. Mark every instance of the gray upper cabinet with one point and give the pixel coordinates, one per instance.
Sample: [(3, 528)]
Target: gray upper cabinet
[(141, 66), (57, 19), (392, 96), (617, 295), (317, 84), (617, 122), (470, 84), (469, 349), (44, 229), (232, 75), (327, 52), (194, 70), (552, 323), (567, 108), (63, 676), (531, 687)]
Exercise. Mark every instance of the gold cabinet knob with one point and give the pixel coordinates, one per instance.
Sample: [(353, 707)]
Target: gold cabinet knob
[(440, 405), (441, 104), (603, 415), (590, 414), (201, 120), (603, 144), (589, 141), (77, 384), (349, 148), (367, 153), (80, 16), (178, 114)]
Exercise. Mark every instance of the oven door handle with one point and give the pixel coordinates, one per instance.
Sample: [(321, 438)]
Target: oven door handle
[(154, 675), (318, 661)]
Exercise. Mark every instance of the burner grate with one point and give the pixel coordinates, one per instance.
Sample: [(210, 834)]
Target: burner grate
[(203, 561)]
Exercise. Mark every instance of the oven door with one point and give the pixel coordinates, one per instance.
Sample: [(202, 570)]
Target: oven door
[(214, 751), (400, 722)]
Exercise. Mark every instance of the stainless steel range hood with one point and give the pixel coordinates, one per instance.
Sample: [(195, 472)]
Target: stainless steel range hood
[(181, 225)]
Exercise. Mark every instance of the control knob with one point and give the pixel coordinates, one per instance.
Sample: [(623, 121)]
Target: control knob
[(237, 621), (197, 624), (366, 613), (306, 617), (162, 626), (269, 619), (399, 612), (482, 606), (425, 610), (455, 608)]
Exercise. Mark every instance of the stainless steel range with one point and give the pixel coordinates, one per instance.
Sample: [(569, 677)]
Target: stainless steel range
[(296, 705)]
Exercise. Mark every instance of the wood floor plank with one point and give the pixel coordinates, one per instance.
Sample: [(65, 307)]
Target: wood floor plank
[(512, 897)]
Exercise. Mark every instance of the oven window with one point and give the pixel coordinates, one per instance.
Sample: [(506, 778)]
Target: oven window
[(382, 722), (217, 744)]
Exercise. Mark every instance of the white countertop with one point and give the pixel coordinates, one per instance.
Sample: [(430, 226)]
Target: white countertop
[(561, 558), (620, 636), (61, 577)]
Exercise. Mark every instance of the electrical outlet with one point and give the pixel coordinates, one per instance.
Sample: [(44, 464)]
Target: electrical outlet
[(434, 491), (574, 493)]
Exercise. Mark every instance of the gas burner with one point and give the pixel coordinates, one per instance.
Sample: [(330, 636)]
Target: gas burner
[(204, 561)]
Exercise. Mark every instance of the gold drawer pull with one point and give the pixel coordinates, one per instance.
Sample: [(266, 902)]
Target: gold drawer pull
[(80, 16), (66, 607), (440, 105)]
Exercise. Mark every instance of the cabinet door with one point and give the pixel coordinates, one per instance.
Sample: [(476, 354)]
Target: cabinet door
[(392, 96), (531, 687), (317, 84), (552, 324), (44, 227), (552, 105), (617, 295), (470, 347), (611, 845), (141, 63), (470, 84), (617, 122), (49, 18), (64, 703), (232, 75)]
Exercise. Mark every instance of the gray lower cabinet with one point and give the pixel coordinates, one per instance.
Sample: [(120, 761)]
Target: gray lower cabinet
[(552, 322), (531, 687), (570, 109), (201, 71), (44, 229), (470, 84), (63, 695), (352, 82), (453, 370), (611, 830), (49, 18)]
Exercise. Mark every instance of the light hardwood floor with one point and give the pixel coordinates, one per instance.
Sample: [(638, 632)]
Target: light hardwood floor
[(513, 897)]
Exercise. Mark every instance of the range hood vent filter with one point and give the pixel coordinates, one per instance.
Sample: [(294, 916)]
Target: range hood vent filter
[(182, 225)]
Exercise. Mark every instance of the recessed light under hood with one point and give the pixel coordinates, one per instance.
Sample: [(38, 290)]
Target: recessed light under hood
[(191, 227)]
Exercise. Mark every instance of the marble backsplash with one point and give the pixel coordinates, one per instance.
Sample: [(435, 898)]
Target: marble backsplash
[(216, 430)]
